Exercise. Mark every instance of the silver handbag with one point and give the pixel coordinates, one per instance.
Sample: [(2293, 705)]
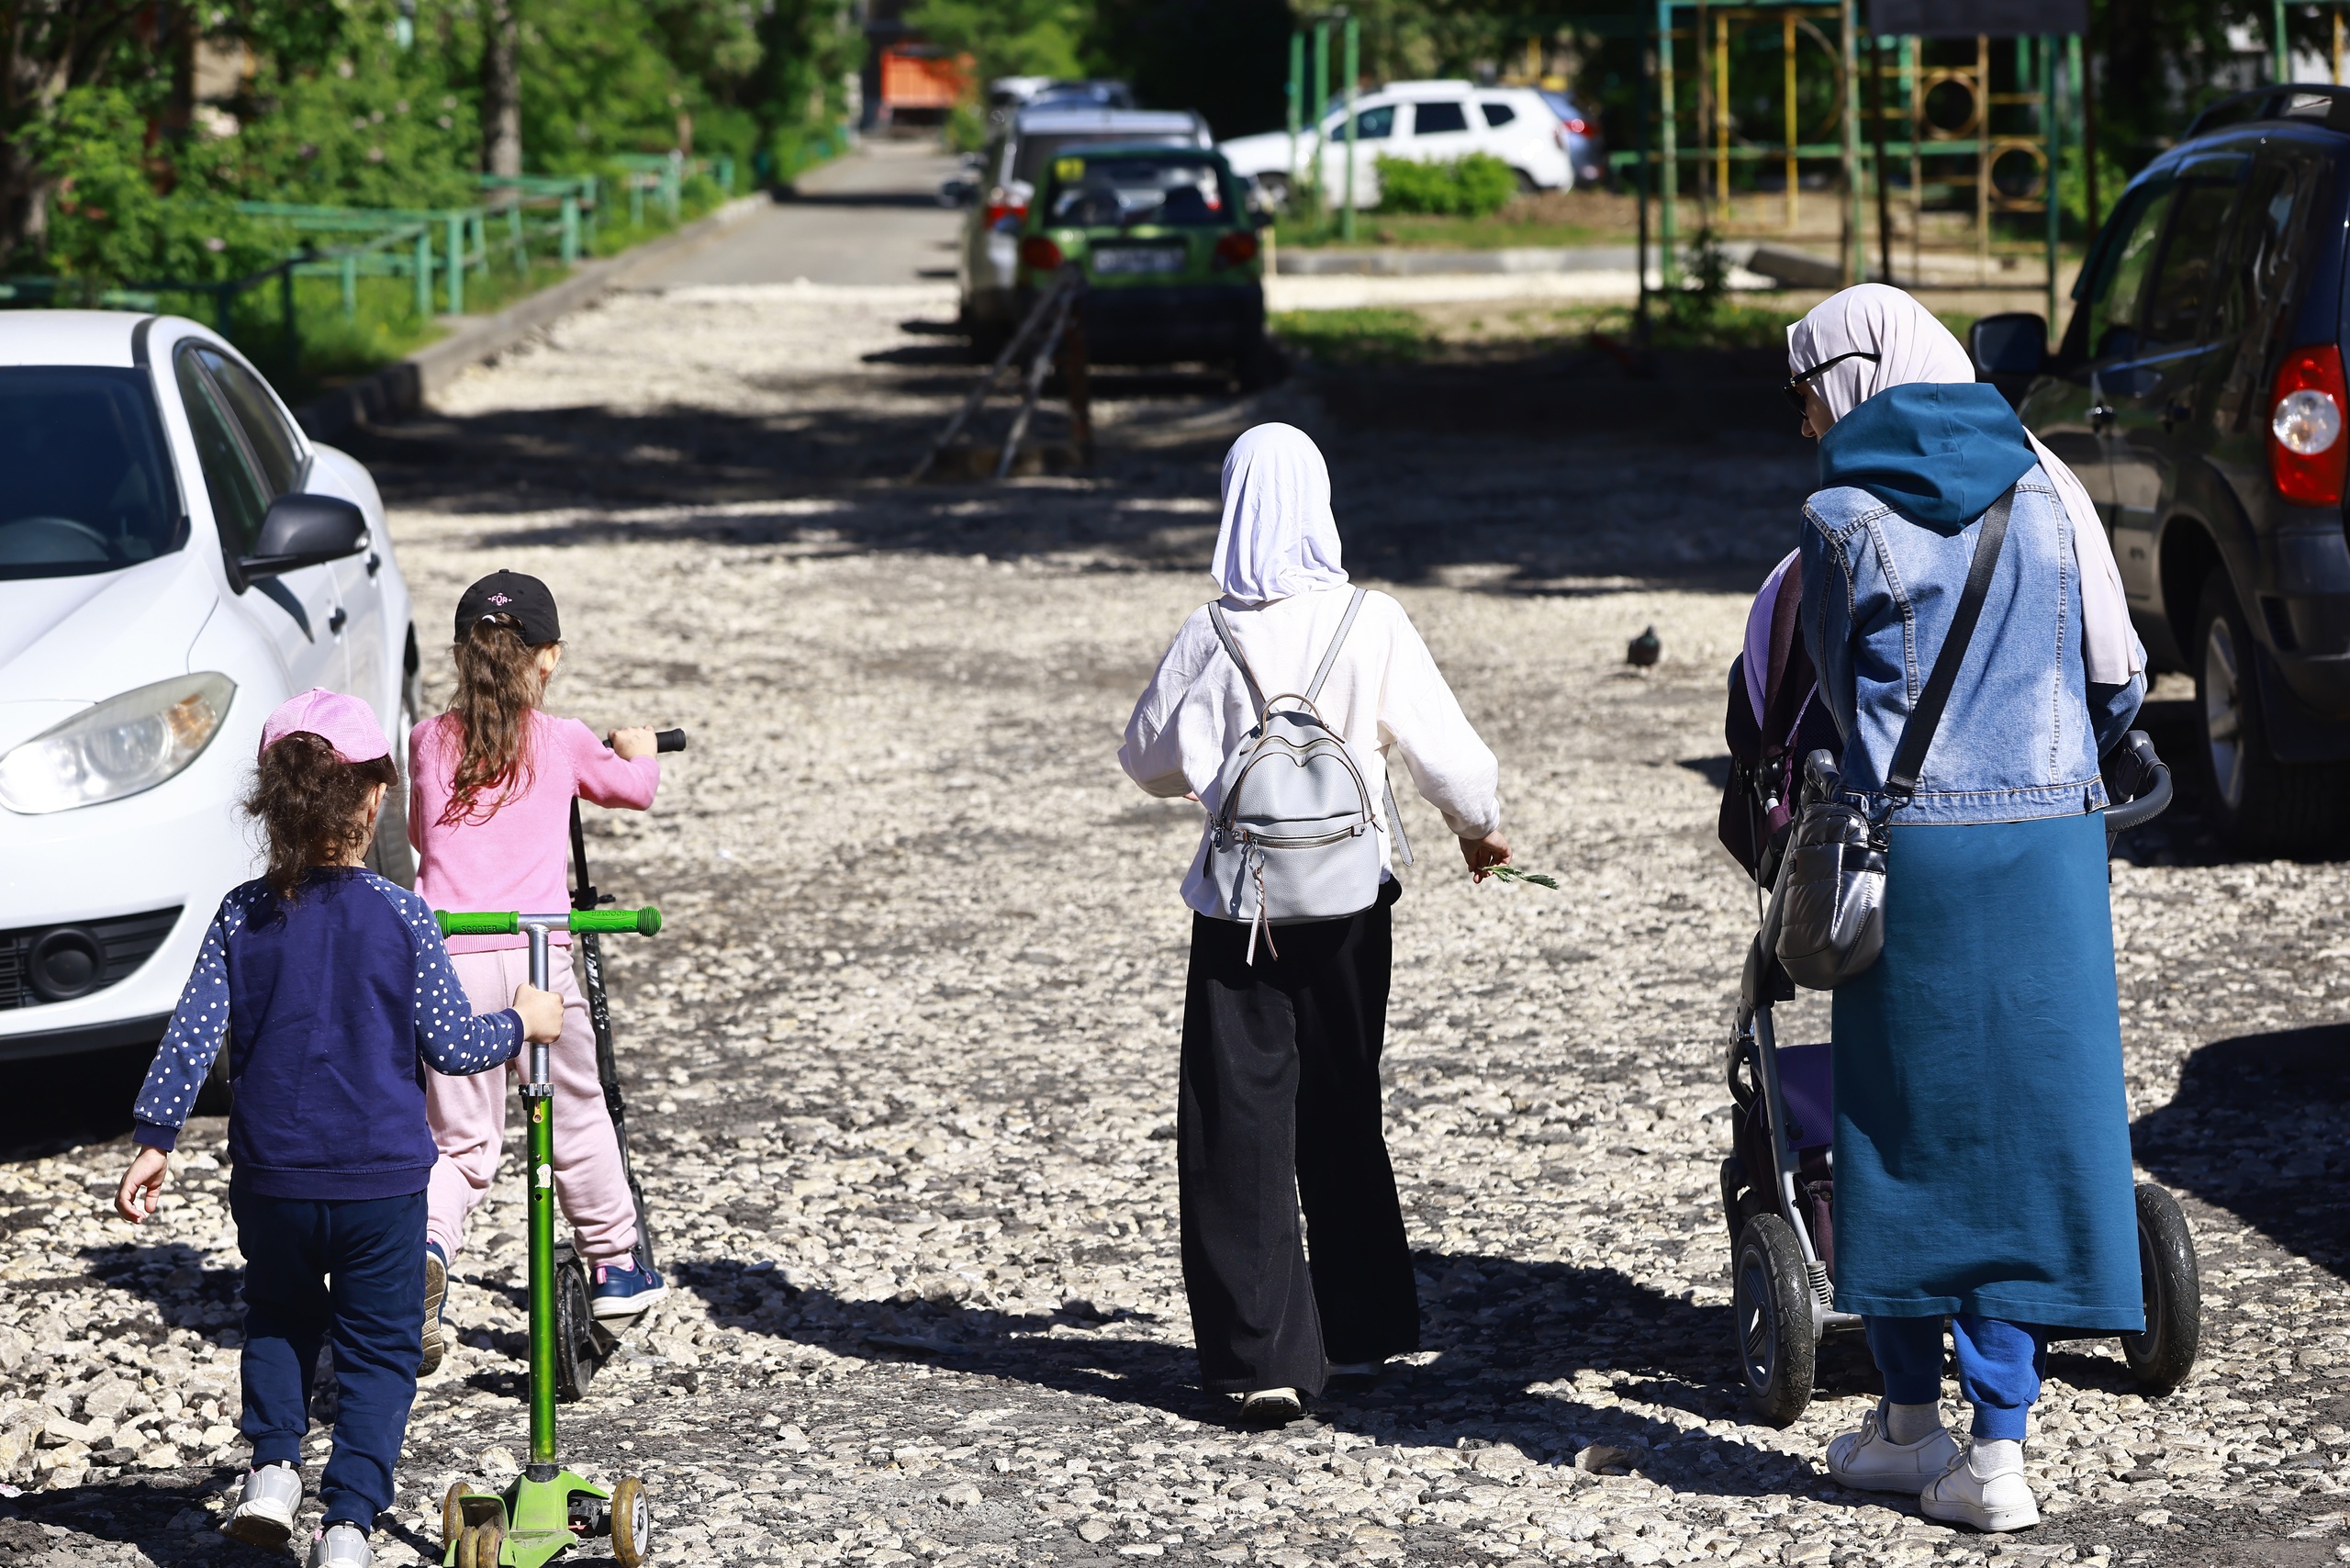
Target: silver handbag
[(1827, 916)]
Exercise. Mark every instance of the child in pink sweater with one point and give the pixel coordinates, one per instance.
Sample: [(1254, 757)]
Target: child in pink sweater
[(491, 786)]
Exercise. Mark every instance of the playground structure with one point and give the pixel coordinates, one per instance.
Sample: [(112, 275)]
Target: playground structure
[(1965, 134)]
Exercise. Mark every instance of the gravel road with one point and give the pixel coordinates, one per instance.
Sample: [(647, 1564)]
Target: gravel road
[(904, 1062)]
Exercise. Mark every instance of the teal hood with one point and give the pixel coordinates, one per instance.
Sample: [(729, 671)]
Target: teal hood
[(1941, 452)]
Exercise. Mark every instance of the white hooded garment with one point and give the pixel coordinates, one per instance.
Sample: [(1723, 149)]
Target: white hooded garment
[(1912, 346), (1285, 594)]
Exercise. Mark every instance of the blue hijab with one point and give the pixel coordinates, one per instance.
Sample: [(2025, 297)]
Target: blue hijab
[(1940, 452)]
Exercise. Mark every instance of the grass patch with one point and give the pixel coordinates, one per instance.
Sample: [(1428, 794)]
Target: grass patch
[(1369, 335), (1555, 219)]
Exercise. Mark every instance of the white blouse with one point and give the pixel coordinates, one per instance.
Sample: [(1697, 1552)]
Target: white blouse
[(1383, 693)]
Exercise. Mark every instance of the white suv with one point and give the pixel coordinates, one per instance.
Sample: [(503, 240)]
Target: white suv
[(176, 559), (1427, 121)]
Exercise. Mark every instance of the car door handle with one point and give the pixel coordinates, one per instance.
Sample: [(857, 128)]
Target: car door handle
[(374, 563), (334, 622)]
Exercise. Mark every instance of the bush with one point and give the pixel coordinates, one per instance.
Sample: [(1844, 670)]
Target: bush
[(1475, 186)]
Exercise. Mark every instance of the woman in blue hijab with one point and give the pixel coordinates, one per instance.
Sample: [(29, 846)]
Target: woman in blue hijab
[(1982, 1151)]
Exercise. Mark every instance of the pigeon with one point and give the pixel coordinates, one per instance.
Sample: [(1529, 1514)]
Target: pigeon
[(1645, 649)]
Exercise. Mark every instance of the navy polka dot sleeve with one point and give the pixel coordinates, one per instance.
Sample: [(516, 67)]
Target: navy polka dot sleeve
[(448, 1035), (199, 1027)]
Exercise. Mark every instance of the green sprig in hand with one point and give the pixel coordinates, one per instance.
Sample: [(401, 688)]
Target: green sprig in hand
[(1512, 874)]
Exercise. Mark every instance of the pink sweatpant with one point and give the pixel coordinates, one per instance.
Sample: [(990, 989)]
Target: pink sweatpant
[(468, 1117)]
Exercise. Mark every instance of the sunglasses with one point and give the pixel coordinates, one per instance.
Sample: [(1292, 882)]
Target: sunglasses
[(1794, 388)]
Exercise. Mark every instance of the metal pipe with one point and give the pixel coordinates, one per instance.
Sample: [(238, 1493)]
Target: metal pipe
[(538, 1103), (1353, 69)]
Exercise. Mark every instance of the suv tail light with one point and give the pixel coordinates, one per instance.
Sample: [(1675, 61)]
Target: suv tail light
[(2308, 407), (1000, 209), (1236, 249), (1039, 254)]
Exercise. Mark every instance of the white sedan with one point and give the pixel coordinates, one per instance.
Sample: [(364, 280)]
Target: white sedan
[(176, 559), (1426, 121)]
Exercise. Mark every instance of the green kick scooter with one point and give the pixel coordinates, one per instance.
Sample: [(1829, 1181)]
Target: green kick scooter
[(548, 1509)]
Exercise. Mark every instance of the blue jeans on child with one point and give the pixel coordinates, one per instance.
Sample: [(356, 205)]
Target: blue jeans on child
[(2000, 1366), (349, 1273)]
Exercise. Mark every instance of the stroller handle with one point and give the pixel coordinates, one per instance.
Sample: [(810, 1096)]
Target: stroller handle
[(2135, 765)]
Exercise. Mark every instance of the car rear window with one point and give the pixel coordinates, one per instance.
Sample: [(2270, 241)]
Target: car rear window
[(1095, 193), (1498, 115), (2190, 265), (88, 483), (1035, 154)]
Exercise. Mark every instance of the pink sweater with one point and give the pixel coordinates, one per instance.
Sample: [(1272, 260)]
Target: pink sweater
[(516, 858)]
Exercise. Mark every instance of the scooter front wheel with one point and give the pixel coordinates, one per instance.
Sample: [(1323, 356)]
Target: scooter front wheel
[(632, 1523), (452, 1514)]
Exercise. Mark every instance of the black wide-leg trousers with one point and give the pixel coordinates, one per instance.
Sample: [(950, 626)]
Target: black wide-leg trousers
[(1281, 1106)]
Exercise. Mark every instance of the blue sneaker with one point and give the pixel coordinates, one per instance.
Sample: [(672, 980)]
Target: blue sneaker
[(624, 1290), (436, 1296)]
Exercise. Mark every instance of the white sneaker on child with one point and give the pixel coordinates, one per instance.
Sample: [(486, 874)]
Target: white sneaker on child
[(263, 1513), (1870, 1461), (1983, 1487), (341, 1546)]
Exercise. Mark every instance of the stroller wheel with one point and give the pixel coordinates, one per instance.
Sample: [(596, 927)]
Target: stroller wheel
[(2161, 1358), (1772, 1305)]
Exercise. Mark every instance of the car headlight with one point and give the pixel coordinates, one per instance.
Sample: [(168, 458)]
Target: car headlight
[(124, 744)]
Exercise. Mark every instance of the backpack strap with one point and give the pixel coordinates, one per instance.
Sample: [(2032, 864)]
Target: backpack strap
[(1918, 734), (1345, 626), (1232, 648)]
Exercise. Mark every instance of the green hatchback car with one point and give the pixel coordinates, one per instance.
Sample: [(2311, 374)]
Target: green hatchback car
[(1173, 266)]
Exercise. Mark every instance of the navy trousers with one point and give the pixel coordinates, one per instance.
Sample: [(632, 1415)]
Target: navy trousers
[(2000, 1366), (347, 1272)]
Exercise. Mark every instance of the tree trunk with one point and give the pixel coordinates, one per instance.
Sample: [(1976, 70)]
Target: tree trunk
[(501, 89)]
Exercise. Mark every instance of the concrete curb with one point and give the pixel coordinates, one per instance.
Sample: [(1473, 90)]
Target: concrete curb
[(1522, 260), (391, 394)]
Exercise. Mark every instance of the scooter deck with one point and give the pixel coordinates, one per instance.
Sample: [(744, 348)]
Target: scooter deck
[(533, 1519)]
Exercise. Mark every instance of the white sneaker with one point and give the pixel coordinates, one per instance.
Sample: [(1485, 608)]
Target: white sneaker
[(1983, 1487), (263, 1514), (341, 1546), (1868, 1461), (1271, 1408)]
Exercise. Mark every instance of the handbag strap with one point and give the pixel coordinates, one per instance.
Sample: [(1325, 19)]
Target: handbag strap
[(1917, 734)]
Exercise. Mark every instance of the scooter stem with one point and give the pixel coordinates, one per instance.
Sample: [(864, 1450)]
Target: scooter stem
[(538, 1103)]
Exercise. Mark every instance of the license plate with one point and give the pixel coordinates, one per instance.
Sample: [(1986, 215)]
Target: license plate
[(1129, 260)]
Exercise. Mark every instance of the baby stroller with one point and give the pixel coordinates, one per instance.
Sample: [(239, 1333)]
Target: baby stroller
[(1778, 1183)]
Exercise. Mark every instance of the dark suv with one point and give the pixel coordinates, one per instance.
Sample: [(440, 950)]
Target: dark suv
[(2198, 394)]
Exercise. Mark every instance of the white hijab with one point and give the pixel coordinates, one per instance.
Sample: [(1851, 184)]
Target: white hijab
[(1279, 539), (1911, 345)]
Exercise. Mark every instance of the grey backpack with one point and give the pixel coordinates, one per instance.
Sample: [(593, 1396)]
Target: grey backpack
[(1292, 837)]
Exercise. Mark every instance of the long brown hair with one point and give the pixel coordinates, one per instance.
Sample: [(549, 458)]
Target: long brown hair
[(313, 806), (498, 684)]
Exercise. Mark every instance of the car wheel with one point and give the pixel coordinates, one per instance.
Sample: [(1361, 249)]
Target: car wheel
[(2261, 806), (389, 854), (1526, 184)]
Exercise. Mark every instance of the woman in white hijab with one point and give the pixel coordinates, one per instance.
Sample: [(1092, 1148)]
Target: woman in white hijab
[(1279, 1094), (1982, 1135)]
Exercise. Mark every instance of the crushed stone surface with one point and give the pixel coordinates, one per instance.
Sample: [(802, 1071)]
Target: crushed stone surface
[(901, 1067)]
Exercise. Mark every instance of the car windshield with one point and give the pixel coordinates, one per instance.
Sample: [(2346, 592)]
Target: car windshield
[(87, 482), (1036, 154), (1096, 192)]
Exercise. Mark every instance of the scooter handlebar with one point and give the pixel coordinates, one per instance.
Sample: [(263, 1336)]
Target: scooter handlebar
[(669, 740), (643, 921)]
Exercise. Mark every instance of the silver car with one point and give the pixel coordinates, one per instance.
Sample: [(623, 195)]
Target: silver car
[(1006, 179)]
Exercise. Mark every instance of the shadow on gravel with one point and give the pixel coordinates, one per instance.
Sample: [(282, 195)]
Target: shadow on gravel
[(55, 1104), (141, 1510), (2244, 1104), (173, 1278), (1496, 1326)]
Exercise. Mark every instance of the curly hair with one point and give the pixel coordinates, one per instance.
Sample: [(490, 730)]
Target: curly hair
[(498, 684), (313, 805)]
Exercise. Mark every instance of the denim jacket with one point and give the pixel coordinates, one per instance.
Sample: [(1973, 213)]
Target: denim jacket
[(2023, 729)]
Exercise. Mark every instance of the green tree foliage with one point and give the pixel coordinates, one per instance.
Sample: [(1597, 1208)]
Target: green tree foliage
[(806, 50), (1011, 37), (1228, 59), (1477, 186)]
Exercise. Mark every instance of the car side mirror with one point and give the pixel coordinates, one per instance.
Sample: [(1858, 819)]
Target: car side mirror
[(2010, 351), (305, 531)]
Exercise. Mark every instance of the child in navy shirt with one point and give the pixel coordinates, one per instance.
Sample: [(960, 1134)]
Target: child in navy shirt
[(330, 989)]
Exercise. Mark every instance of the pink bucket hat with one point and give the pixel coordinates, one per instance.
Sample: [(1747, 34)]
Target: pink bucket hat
[(344, 723)]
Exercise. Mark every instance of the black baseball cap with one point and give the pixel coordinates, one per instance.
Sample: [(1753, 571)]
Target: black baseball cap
[(510, 593)]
